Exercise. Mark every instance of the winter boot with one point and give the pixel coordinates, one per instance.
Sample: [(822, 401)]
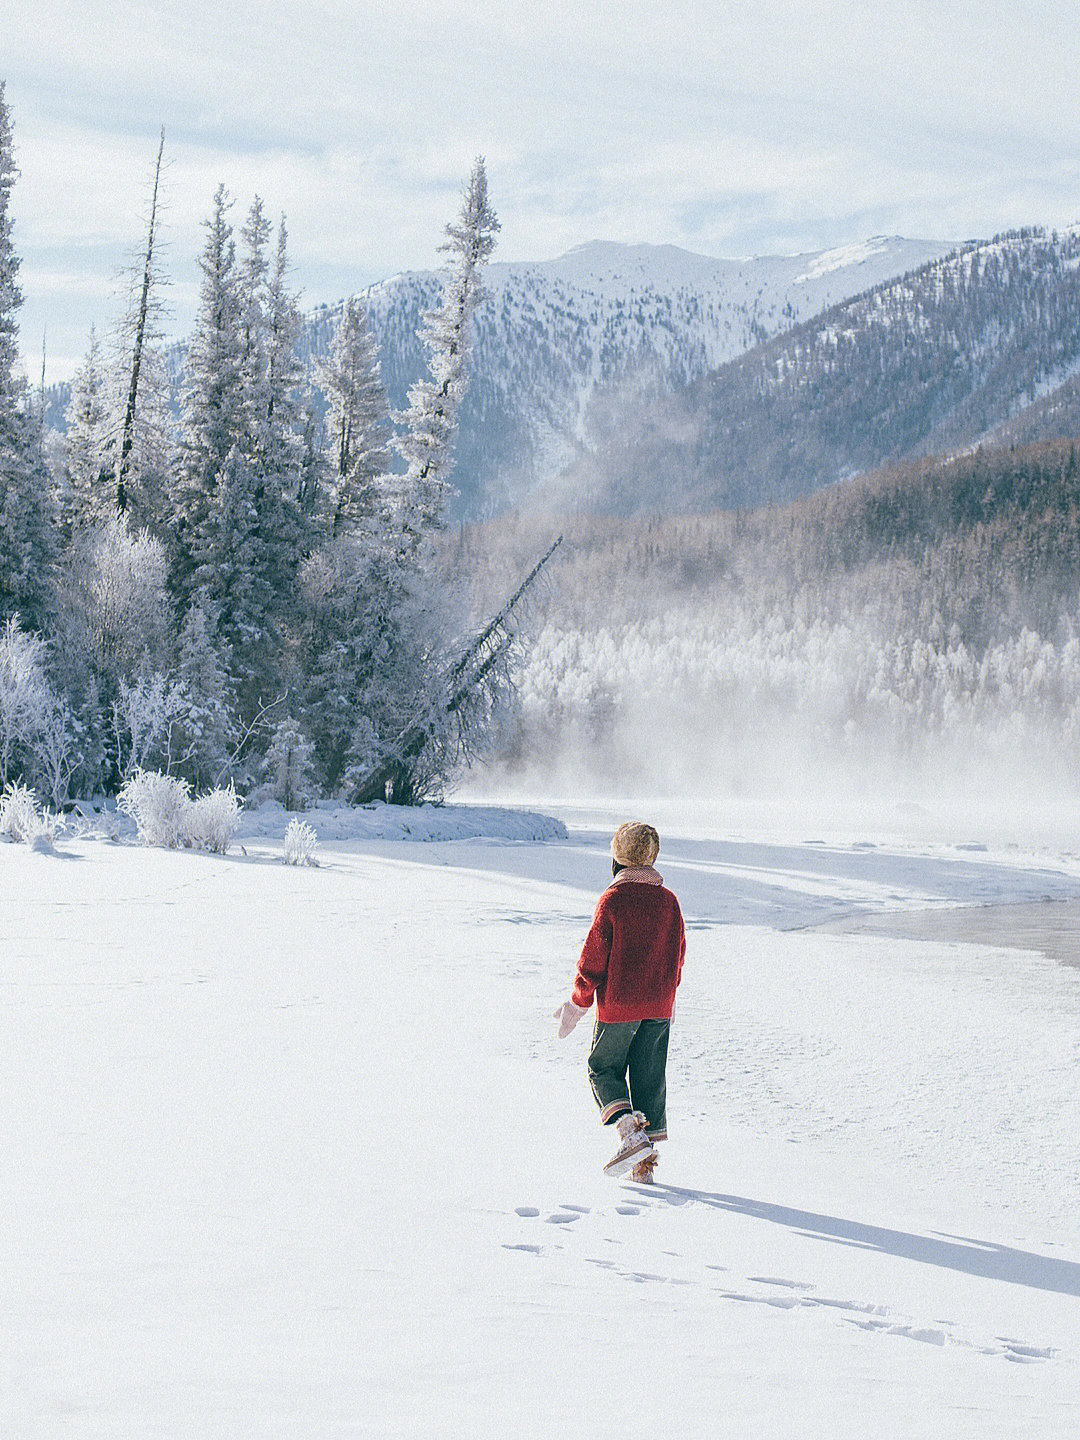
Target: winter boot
[(643, 1170), (635, 1146)]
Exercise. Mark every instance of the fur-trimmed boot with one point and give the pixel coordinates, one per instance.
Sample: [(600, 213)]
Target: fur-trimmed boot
[(635, 1147), (643, 1170)]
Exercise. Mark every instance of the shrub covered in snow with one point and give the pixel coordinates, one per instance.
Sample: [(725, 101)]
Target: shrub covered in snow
[(213, 820), (160, 805), (165, 814), (300, 844), (22, 820)]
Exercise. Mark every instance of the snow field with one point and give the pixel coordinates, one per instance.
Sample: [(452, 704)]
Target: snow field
[(294, 1153)]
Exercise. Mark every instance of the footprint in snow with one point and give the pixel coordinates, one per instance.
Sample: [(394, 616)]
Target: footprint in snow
[(563, 1219), (1025, 1354), (788, 1284), (527, 1212)]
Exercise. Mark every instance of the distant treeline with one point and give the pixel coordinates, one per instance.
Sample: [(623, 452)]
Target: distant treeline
[(873, 620)]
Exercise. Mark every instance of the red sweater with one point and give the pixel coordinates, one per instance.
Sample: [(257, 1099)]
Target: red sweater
[(633, 956)]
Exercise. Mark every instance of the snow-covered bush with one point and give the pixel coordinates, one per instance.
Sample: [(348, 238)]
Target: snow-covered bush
[(300, 844), (161, 807), (35, 722), (22, 820), (213, 820)]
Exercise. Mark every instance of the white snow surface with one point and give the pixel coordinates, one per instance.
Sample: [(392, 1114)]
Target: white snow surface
[(295, 1153)]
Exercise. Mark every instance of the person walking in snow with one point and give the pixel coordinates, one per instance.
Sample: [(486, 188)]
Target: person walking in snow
[(631, 963)]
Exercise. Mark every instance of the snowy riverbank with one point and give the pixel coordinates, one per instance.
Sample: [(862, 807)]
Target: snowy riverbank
[(294, 1153)]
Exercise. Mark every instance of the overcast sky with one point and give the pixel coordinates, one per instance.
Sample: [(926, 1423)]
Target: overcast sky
[(729, 128)]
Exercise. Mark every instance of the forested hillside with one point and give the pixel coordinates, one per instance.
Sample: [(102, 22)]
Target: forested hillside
[(562, 347), (927, 616), (925, 365)]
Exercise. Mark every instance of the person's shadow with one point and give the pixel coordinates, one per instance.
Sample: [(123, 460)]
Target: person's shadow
[(953, 1252)]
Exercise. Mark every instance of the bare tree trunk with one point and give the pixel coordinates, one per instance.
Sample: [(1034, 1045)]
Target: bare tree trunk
[(127, 438)]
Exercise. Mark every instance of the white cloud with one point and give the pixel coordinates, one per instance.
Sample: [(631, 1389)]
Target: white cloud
[(720, 126)]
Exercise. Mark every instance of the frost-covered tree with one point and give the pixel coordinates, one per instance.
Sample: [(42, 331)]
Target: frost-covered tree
[(213, 387), (362, 655), (252, 272), (205, 728), (357, 422), (288, 769), (314, 490), (430, 422), (27, 701), (115, 600), (88, 495), (142, 451), (284, 373), (230, 568), (28, 532)]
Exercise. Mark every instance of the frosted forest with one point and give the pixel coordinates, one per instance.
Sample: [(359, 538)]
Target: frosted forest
[(240, 588), (238, 562)]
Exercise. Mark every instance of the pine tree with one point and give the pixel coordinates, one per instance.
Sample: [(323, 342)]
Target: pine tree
[(361, 652), (252, 274), (89, 493), (357, 421), (288, 772), (231, 568), (284, 529), (28, 534), (284, 372), (213, 392), (431, 419), (206, 731)]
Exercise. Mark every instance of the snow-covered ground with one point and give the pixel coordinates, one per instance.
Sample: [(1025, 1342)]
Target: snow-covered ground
[(294, 1153)]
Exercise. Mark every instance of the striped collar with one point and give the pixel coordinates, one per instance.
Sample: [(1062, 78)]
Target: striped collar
[(638, 875)]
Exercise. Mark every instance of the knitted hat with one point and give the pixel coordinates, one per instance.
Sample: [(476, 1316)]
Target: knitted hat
[(635, 844)]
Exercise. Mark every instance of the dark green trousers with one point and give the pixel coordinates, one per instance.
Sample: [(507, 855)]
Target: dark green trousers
[(628, 1071)]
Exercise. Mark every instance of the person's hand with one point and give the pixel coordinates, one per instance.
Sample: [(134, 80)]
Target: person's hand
[(568, 1014)]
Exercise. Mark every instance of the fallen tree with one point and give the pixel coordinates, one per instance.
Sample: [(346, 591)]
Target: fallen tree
[(468, 690)]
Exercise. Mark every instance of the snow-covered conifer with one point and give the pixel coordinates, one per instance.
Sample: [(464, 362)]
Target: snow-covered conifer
[(205, 727), (284, 372), (431, 419), (213, 388), (89, 490), (288, 769), (252, 271), (235, 568), (357, 423), (28, 530)]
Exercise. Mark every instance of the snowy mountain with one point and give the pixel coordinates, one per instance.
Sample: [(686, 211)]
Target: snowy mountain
[(979, 345), (564, 346)]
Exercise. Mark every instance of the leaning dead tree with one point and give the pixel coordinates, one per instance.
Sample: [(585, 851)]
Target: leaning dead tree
[(127, 434), (396, 778)]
